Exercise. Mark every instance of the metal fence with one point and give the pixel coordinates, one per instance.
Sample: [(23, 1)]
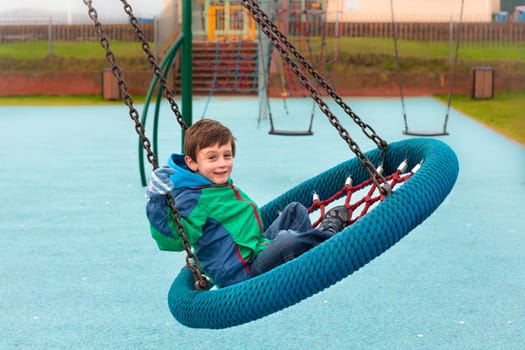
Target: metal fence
[(74, 32), (505, 33)]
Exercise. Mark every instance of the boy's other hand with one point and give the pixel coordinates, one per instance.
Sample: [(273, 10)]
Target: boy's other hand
[(160, 182)]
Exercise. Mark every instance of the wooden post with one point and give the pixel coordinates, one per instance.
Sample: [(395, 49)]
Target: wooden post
[(482, 82)]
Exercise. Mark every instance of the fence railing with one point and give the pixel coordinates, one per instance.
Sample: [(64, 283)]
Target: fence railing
[(73, 32), (506, 33)]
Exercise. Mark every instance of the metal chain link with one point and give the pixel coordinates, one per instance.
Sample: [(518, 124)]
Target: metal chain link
[(278, 38), (192, 262), (154, 64)]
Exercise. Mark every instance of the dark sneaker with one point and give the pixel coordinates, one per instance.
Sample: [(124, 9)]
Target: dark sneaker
[(335, 219)]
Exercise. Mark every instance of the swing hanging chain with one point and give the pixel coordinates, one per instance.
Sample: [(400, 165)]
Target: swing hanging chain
[(455, 65), (154, 64), (271, 30), (269, 27), (117, 72), (398, 66), (192, 261)]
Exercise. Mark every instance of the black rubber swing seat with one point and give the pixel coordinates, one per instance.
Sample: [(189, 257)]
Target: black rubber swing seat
[(425, 133), (291, 132)]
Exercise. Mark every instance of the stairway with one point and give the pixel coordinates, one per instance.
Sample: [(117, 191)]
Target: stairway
[(224, 68)]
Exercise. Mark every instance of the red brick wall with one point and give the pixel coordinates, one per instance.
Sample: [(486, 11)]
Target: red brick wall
[(90, 83), (55, 83)]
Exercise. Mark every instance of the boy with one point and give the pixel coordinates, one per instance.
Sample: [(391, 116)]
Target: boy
[(221, 222)]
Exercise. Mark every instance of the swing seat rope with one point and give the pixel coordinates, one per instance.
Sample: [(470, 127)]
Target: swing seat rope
[(336, 258)]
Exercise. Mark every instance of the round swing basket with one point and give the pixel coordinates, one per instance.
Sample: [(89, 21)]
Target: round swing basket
[(336, 258)]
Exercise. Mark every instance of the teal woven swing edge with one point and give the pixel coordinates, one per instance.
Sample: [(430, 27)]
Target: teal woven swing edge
[(337, 257)]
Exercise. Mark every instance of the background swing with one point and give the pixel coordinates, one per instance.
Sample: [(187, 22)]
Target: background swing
[(308, 27), (395, 215), (452, 74)]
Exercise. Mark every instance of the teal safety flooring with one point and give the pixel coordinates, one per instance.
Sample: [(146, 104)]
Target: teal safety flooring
[(79, 270)]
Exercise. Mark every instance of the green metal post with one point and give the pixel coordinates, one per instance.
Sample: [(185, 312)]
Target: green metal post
[(184, 43), (186, 63)]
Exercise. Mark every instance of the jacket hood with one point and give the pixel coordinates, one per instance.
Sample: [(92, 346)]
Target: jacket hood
[(183, 176)]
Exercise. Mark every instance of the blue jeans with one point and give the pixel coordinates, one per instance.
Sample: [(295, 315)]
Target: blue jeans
[(291, 235)]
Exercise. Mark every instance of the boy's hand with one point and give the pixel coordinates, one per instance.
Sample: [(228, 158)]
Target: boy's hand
[(160, 182)]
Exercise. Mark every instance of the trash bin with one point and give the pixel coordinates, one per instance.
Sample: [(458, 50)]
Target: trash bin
[(502, 16), (110, 88), (482, 82)]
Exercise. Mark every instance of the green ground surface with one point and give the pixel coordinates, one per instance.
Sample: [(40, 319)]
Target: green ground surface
[(505, 113), (353, 53), (74, 100)]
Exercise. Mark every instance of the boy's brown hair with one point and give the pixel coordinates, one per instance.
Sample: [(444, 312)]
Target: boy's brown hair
[(205, 133)]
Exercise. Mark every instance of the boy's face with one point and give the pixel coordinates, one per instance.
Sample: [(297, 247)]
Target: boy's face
[(214, 163)]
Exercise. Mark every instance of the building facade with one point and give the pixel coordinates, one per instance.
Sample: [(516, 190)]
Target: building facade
[(412, 10), (380, 10)]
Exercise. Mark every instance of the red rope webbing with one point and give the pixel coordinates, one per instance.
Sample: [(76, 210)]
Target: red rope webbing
[(371, 197)]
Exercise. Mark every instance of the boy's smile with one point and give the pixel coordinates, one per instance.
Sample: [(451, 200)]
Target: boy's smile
[(214, 163)]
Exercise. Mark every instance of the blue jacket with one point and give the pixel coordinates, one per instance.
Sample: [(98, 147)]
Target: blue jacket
[(221, 222)]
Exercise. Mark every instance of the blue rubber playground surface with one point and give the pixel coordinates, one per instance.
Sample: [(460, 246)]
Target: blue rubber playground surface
[(79, 270)]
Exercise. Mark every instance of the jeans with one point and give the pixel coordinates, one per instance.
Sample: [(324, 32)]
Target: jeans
[(291, 235)]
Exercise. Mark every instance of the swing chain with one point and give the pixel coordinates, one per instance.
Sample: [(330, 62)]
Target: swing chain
[(117, 73), (153, 62), (277, 37), (192, 261), (266, 22)]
